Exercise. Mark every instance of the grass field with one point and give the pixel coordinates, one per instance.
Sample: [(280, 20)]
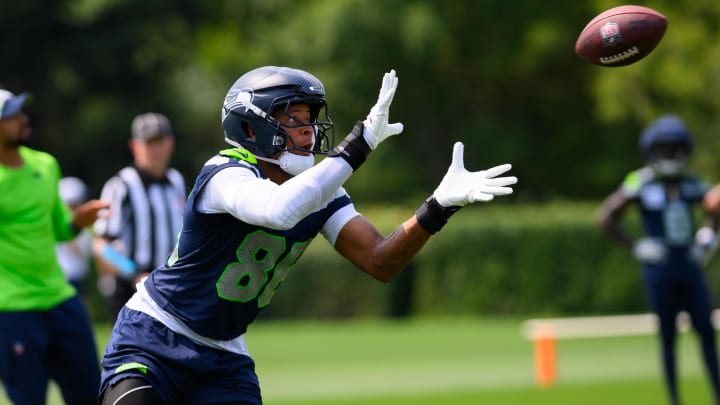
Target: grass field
[(452, 361)]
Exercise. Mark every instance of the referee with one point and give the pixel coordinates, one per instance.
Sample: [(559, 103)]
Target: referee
[(145, 215)]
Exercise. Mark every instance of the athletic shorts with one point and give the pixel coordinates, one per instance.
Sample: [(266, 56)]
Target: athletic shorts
[(180, 370)]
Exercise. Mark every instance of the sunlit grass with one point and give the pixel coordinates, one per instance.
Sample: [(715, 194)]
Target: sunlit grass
[(452, 361)]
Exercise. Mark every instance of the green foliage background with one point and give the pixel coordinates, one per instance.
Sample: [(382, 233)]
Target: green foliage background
[(537, 260), (500, 76)]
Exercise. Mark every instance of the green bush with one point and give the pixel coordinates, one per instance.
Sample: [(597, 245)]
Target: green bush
[(542, 260)]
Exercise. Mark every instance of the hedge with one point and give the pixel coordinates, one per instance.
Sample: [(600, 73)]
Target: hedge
[(491, 259), (539, 260)]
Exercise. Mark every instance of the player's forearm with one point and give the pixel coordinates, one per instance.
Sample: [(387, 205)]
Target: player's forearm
[(395, 251), (609, 217)]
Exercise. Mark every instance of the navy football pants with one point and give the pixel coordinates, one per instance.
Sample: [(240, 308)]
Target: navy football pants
[(56, 344), (674, 289)]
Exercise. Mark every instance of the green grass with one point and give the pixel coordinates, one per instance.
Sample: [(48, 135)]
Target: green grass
[(462, 361), (452, 361)]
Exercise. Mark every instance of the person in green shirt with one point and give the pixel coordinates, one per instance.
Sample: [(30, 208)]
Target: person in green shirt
[(46, 331)]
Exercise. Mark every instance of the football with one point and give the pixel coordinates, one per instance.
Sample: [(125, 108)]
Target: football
[(621, 36)]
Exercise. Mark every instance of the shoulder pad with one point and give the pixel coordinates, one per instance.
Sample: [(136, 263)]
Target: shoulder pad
[(635, 180), (239, 154)]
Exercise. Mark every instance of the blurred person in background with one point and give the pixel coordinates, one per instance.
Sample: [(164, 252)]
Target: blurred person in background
[(45, 331), (253, 211), (674, 246), (75, 256), (145, 216)]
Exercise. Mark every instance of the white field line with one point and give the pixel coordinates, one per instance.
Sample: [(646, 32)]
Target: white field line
[(600, 326)]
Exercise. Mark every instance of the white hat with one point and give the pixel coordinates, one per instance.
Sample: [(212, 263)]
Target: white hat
[(10, 104)]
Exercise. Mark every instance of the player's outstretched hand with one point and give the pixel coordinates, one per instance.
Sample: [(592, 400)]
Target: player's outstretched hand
[(377, 126), (460, 187)]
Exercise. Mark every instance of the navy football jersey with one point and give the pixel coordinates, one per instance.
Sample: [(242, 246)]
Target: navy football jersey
[(666, 216), (224, 271)]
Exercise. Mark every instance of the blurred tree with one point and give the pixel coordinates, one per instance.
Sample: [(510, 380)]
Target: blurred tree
[(92, 66), (511, 92)]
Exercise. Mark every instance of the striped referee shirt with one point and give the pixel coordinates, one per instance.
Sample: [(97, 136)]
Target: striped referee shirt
[(145, 215)]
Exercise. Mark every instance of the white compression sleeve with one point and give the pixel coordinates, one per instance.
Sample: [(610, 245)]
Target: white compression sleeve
[(257, 201)]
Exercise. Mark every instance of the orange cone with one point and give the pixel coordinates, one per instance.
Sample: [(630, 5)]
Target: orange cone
[(545, 370)]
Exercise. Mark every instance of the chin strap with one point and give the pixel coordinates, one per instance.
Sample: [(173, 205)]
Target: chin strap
[(264, 159), (291, 163)]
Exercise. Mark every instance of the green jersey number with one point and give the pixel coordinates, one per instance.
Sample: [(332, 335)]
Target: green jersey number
[(678, 223), (258, 255)]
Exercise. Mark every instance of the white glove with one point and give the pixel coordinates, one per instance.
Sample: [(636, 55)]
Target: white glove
[(460, 187), (377, 128), (650, 250), (702, 249), (706, 236)]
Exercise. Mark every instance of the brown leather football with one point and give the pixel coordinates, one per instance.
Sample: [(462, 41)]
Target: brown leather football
[(621, 36)]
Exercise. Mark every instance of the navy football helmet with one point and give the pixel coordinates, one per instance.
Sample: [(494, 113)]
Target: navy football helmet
[(259, 93), (666, 144)]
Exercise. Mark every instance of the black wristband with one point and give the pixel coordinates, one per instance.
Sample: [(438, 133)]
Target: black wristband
[(354, 149), (432, 216)]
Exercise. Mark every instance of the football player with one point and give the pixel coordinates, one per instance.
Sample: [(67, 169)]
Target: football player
[(672, 251), (252, 212)]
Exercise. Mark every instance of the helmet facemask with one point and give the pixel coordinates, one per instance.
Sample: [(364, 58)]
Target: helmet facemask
[(323, 129), (668, 159), (322, 142)]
